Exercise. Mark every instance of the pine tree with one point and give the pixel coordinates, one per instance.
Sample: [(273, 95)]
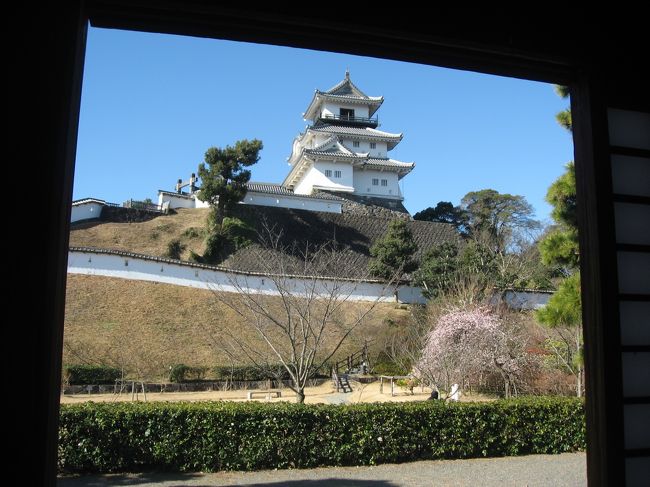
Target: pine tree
[(224, 177), (560, 248), (392, 255)]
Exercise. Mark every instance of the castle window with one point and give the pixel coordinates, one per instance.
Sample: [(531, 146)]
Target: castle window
[(373, 145), (337, 174), (355, 143), (384, 182), (346, 113), (375, 182), (328, 173)]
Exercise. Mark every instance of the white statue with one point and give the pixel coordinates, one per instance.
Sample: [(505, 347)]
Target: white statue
[(454, 395)]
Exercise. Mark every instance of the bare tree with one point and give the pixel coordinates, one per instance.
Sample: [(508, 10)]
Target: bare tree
[(296, 311), (565, 346)]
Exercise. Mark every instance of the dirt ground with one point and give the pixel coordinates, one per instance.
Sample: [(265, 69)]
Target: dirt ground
[(324, 394)]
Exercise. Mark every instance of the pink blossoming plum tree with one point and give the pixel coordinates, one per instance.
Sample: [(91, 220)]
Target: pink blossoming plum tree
[(464, 343)]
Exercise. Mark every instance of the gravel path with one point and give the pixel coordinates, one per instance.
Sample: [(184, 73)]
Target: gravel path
[(567, 469), (338, 398)]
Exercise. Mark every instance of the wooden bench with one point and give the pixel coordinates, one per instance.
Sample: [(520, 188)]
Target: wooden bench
[(267, 394)]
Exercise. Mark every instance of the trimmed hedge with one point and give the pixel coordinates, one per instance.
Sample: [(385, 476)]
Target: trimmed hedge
[(212, 436), (186, 373), (91, 374), (250, 372), (246, 372)]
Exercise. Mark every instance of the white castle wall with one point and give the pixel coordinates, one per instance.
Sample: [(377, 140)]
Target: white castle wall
[(141, 268), (315, 176), (255, 198), (363, 183), (380, 149), (86, 211), (181, 201)]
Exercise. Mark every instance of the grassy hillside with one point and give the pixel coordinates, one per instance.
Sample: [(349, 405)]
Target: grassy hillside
[(146, 327), (150, 237)]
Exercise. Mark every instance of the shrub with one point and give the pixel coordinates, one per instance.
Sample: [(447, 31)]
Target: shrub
[(185, 373), (408, 383), (193, 232), (250, 372), (247, 372), (211, 436), (388, 368), (174, 249), (194, 257), (91, 374)]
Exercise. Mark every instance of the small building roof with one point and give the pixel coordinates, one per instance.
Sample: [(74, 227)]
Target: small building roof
[(85, 201), (346, 87), (257, 187), (360, 159), (278, 189), (403, 168)]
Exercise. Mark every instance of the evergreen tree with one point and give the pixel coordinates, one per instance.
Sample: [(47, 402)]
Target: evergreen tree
[(563, 312), (559, 248), (444, 212), (392, 255), (495, 219), (564, 117), (223, 184), (224, 177), (438, 270)]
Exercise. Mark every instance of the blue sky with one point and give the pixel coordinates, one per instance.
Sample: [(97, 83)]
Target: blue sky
[(152, 104)]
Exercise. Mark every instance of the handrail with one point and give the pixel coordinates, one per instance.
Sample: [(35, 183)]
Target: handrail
[(348, 118), (143, 205), (352, 360)]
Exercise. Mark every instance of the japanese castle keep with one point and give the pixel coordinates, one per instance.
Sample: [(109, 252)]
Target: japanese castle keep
[(342, 151), (340, 159)]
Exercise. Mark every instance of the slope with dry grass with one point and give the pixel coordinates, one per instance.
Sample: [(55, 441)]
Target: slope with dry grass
[(150, 237), (145, 327)]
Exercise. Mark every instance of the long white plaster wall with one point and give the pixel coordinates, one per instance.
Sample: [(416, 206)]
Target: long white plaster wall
[(363, 183), (315, 176), (176, 201), (296, 203), (201, 204), (140, 269), (334, 109), (86, 211), (181, 201)]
